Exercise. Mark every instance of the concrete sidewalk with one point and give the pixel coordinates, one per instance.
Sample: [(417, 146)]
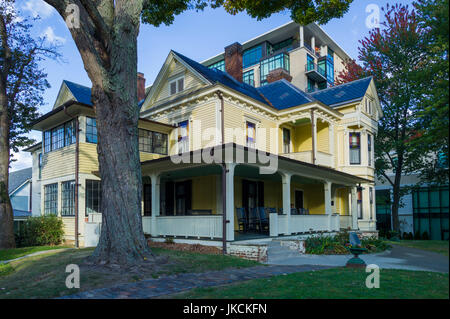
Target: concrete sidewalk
[(398, 257)]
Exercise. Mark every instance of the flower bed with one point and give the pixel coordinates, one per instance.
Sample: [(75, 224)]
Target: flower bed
[(197, 248), (339, 244)]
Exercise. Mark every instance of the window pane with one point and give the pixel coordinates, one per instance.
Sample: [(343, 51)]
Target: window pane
[(173, 88), (93, 196), (180, 84), (68, 198), (249, 78), (145, 141), (51, 199), (70, 136), (251, 56), (91, 130)]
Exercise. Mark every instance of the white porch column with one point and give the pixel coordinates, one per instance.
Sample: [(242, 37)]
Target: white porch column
[(229, 180), (286, 180), (331, 143), (313, 44), (328, 208), (314, 137), (155, 202), (301, 36), (354, 208)]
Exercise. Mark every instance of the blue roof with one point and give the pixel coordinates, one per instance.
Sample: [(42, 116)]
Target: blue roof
[(17, 178), (218, 76), (282, 94), (342, 93), (81, 93)]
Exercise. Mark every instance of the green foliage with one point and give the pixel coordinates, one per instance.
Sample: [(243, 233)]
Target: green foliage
[(304, 12), (407, 236), (169, 240), (425, 236), (339, 244), (19, 68), (432, 80), (5, 269), (42, 230), (417, 236)]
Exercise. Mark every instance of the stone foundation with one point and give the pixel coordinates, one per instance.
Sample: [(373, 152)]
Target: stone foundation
[(257, 252)]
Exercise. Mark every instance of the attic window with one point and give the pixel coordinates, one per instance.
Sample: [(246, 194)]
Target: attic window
[(176, 86)]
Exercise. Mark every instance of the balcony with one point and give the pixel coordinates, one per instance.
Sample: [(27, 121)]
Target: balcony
[(315, 72), (278, 61), (322, 158)]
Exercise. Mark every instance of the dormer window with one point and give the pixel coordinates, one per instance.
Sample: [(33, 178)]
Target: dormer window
[(176, 86)]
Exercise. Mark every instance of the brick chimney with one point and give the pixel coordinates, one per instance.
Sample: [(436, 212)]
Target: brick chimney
[(140, 86), (278, 74), (233, 60)]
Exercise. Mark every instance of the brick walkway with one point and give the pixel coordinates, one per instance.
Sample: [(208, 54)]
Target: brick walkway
[(177, 283)]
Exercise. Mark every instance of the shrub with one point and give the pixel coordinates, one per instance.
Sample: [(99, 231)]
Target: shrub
[(417, 236), (40, 231), (326, 245), (425, 236)]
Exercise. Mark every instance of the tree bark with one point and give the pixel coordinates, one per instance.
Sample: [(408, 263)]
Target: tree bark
[(6, 213), (107, 41)]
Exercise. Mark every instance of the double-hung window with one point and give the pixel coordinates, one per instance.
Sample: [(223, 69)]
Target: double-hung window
[(51, 199), (355, 148), (371, 201), (60, 136), (176, 86), (147, 190), (68, 198), (249, 77), (145, 141), (286, 140), (369, 149), (251, 134), (183, 137)]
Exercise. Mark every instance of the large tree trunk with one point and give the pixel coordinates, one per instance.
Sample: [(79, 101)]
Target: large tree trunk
[(114, 96), (6, 212)]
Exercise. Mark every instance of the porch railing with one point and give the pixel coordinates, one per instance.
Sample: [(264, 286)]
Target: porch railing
[(322, 158), (304, 223), (185, 226)]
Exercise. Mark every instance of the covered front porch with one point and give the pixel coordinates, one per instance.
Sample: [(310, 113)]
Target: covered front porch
[(185, 200)]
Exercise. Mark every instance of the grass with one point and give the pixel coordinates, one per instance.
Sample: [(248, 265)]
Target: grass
[(438, 246), (44, 276), (337, 283), (8, 254)]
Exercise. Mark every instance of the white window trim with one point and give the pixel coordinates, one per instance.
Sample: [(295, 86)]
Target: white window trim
[(177, 89)]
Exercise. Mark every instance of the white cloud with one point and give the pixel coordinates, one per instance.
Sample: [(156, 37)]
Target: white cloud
[(50, 36), (23, 160), (38, 8)]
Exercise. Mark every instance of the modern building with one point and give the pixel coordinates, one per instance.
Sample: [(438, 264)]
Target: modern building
[(306, 54), (424, 210), (296, 162)]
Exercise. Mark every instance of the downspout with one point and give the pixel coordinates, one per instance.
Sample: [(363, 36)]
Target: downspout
[(224, 183), (313, 139), (77, 152)]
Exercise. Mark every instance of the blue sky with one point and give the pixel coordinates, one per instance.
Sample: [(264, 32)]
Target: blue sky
[(198, 35)]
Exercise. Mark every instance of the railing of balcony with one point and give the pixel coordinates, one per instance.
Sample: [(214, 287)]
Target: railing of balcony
[(311, 66)]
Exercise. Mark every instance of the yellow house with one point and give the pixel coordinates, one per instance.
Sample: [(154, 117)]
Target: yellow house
[(222, 157)]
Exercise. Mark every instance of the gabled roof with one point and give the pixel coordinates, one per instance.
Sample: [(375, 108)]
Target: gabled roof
[(283, 94), (80, 92), (217, 76), (17, 178), (351, 91)]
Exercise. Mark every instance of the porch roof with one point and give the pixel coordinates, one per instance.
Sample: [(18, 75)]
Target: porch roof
[(287, 165)]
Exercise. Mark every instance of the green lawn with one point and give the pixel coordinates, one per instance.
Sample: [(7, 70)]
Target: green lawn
[(44, 276), (438, 246), (333, 283), (8, 254)]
